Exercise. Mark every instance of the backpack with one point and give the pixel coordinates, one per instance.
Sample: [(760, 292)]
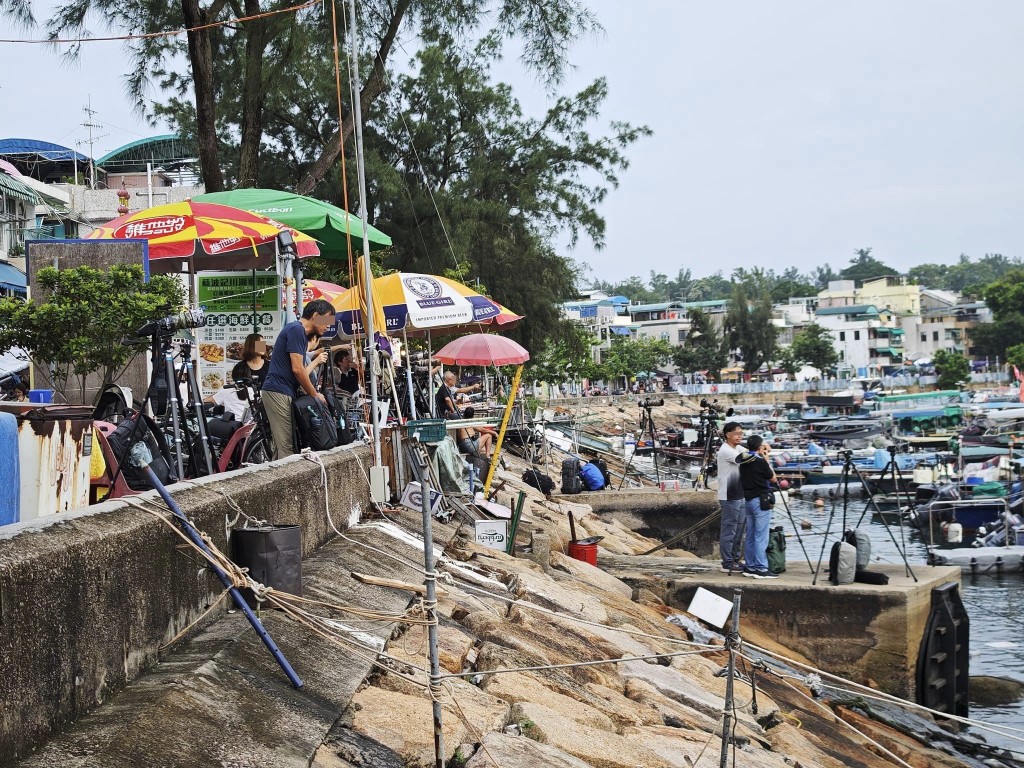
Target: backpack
[(776, 550), (862, 543), (842, 563), (592, 476), (345, 433), (571, 476), (122, 440), (541, 482), (316, 426), (603, 466)]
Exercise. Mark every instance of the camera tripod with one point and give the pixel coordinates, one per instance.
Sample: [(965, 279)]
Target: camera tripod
[(164, 395), (709, 415), (646, 426), (844, 481)]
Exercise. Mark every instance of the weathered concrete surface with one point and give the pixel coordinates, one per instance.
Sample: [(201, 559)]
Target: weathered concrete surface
[(660, 514), (87, 598), (221, 700), (867, 633)]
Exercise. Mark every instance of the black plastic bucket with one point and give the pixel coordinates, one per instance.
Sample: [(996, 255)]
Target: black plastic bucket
[(273, 555)]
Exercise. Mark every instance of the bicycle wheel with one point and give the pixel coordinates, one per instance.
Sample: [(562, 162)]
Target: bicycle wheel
[(259, 449)]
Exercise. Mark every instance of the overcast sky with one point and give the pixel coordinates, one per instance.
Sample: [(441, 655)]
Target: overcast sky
[(786, 134)]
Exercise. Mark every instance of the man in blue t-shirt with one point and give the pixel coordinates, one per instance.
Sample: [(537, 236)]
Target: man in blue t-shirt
[(288, 376)]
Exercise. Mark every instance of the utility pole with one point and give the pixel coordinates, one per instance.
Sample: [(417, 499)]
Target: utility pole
[(89, 124), (732, 641)]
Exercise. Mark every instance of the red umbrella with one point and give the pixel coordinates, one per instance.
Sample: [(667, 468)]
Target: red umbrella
[(482, 349)]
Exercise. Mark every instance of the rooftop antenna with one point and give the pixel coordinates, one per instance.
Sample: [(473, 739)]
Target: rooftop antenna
[(89, 124)]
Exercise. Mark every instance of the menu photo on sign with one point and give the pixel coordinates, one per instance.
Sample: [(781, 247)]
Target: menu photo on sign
[(236, 304)]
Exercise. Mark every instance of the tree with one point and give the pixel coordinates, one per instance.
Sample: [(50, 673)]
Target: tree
[(748, 320), (822, 276), (1005, 297), (479, 183), (702, 350), (813, 346), (80, 328), (952, 369), (265, 87), (567, 354), (1015, 356), (630, 357), (864, 266), (787, 360)]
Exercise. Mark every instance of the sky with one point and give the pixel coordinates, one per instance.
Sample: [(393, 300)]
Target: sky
[(785, 134)]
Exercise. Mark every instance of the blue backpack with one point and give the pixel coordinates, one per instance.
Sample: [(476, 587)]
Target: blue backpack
[(592, 476)]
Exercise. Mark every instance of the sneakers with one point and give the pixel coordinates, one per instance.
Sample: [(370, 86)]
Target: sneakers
[(760, 575), (728, 570)]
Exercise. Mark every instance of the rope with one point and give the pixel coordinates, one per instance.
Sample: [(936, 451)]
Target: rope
[(842, 721), (166, 33), (575, 664), (814, 681)]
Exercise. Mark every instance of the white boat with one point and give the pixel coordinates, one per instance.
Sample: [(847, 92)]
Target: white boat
[(979, 560)]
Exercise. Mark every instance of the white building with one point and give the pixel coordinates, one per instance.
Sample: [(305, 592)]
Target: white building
[(866, 338)]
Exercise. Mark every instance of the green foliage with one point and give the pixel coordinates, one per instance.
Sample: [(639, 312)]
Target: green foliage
[(702, 350), (80, 327), (1015, 356), (748, 320), (952, 369), (568, 353), (629, 357), (966, 276), (813, 346), (1005, 297), (503, 184), (864, 266), (788, 361)]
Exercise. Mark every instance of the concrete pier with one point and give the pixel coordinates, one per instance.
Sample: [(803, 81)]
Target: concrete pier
[(867, 633), (660, 514)]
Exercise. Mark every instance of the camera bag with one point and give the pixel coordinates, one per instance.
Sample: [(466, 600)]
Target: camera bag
[(603, 466), (842, 563), (862, 543), (571, 482), (776, 551), (541, 482), (317, 428), (132, 431)]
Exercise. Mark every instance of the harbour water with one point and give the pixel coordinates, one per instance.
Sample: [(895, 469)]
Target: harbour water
[(995, 604)]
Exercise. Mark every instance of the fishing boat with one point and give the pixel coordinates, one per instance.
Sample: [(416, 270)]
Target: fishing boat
[(997, 551), (949, 504), (927, 427)]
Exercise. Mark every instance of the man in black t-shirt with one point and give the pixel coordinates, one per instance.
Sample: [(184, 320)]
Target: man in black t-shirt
[(756, 475), (445, 397), (288, 375)]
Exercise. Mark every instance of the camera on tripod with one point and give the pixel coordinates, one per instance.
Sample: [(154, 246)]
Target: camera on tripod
[(714, 409), (651, 402), (166, 326)]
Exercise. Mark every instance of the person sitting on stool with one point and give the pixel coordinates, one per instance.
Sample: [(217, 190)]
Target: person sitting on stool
[(474, 441)]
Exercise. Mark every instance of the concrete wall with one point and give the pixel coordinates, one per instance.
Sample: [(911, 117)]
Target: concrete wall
[(88, 598)]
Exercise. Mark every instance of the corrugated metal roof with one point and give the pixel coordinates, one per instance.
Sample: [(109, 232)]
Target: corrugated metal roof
[(14, 188), (47, 149), (12, 278), (856, 309)]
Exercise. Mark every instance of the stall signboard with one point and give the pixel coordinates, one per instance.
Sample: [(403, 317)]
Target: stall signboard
[(236, 304)]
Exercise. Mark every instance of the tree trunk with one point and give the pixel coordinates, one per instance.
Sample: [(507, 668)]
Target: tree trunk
[(253, 93), (200, 54), (373, 88)]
